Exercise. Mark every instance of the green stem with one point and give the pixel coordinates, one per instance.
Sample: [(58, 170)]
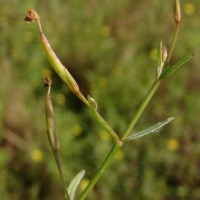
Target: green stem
[(64, 74), (104, 124), (172, 45), (117, 146), (100, 171), (82, 98), (56, 153), (141, 109)]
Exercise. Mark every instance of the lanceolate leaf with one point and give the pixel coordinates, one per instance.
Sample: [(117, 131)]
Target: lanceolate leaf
[(152, 129), (171, 69), (159, 54), (74, 184)]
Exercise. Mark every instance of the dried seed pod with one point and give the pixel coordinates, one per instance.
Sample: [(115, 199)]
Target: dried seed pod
[(51, 126), (177, 11)]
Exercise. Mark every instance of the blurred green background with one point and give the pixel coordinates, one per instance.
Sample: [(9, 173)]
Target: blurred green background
[(109, 47)]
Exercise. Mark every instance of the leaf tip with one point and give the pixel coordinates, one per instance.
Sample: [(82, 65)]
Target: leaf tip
[(170, 118), (92, 102)]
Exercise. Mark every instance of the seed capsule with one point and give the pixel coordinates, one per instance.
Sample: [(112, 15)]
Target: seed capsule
[(177, 11), (51, 126)]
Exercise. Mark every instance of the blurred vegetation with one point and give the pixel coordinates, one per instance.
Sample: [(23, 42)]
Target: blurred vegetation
[(109, 47)]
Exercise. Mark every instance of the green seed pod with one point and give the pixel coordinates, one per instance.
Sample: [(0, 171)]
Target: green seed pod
[(59, 68), (57, 65), (51, 126)]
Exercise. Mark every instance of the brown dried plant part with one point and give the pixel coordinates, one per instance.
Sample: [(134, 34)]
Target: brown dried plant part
[(32, 16), (47, 81)]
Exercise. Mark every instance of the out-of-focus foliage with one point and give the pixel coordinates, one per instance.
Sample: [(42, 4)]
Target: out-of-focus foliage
[(109, 46)]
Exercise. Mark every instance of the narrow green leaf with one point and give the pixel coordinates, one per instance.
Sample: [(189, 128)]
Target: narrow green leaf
[(171, 69), (159, 60), (74, 184), (152, 129), (159, 54)]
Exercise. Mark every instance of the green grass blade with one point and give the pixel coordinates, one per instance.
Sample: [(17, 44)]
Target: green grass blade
[(171, 69), (74, 184), (152, 129)]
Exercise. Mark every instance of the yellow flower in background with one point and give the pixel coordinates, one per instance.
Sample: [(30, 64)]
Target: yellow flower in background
[(106, 31), (77, 130), (102, 81), (119, 155), (104, 136), (36, 155), (189, 8), (173, 144), (153, 54), (84, 183), (60, 99), (46, 72)]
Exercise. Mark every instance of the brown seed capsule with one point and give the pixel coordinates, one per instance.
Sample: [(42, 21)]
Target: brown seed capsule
[(177, 11)]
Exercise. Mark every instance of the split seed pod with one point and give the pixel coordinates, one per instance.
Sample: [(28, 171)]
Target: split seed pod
[(50, 120)]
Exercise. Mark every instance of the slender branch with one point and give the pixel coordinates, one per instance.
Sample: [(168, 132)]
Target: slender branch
[(117, 146), (56, 153), (141, 108), (104, 124), (100, 171), (172, 45)]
